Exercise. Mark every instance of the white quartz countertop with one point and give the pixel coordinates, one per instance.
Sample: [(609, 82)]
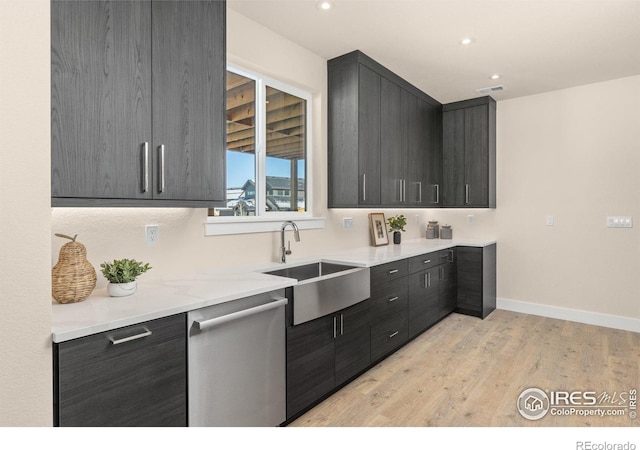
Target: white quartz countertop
[(161, 298)]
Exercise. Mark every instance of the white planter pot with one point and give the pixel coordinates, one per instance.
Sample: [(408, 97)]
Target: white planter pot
[(122, 289)]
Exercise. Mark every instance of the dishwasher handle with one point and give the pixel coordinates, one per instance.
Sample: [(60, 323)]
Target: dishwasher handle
[(204, 324)]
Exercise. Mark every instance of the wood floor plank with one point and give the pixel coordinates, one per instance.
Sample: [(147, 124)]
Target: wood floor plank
[(469, 372)]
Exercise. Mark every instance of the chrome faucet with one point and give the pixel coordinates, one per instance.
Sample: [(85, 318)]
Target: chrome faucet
[(296, 235)]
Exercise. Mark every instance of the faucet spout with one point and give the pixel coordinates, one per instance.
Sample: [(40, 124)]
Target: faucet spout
[(296, 235)]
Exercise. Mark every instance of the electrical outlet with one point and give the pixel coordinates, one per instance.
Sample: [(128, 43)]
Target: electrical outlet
[(152, 234), (347, 223), (550, 221), (470, 218), (417, 219)]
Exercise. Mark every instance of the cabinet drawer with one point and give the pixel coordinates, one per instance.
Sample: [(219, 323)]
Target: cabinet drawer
[(389, 298), (132, 376), (388, 272), (389, 334), (418, 263)]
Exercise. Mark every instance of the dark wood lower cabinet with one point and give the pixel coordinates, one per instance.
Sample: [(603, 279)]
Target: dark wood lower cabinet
[(476, 280), (310, 363), (107, 380), (324, 353), (424, 300)]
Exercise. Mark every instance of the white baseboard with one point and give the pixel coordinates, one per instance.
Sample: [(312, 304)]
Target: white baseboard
[(573, 315)]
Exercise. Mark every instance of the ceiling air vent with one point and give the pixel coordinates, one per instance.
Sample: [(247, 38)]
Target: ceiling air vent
[(491, 90)]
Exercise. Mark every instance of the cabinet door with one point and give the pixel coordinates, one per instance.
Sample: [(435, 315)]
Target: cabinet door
[(140, 382), (448, 287), (476, 278), (453, 158), (469, 262), (310, 363), (476, 156), (424, 299), (345, 177), (413, 151), (368, 137), (100, 99), (392, 129), (431, 142), (353, 342), (189, 73)]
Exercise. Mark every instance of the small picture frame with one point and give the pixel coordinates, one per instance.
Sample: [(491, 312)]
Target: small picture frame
[(378, 226)]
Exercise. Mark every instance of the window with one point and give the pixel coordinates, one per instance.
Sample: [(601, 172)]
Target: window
[(267, 148)]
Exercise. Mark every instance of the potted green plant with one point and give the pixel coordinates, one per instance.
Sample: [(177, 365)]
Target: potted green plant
[(397, 224), (122, 274)]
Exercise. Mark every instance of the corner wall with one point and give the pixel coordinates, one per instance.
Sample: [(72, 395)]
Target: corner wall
[(573, 154), (25, 214)]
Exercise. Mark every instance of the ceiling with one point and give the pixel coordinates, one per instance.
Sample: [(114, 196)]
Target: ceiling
[(535, 45)]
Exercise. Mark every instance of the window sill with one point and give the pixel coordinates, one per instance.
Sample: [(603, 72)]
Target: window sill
[(218, 226)]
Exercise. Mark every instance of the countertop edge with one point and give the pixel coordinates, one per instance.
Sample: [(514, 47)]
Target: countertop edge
[(185, 302)]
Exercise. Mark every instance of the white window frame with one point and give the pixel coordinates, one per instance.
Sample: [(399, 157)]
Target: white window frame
[(265, 221)]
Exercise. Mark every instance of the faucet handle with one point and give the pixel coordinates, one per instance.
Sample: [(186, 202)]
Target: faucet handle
[(288, 250)]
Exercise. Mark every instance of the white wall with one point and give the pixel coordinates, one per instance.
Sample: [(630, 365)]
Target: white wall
[(25, 215), (573, 154)]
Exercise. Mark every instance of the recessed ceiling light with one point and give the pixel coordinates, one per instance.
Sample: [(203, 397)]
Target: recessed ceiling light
[(495, 76), (324, 5), (466, 41)]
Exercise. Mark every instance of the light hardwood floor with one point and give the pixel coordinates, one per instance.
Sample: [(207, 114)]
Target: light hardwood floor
[(469, 372)]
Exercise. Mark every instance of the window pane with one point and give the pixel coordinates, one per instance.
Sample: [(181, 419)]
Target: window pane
[(241, 147), (286, 151)]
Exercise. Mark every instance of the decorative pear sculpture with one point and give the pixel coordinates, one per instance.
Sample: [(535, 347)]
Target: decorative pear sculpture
[(73, 277)]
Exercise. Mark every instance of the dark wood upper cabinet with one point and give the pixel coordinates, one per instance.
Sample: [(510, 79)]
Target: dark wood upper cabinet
[(100, 98), (384, 137), (469, 153), (189, 113), (138, 103)]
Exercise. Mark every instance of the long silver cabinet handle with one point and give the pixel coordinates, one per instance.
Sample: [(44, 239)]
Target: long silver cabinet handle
[(451, 256), (400, 190), (466, 194), (364, 187), (335, 327), (161, 169), (427, 261), (393, 299), (341, 324), (393, 271), (404, 190), (209, 323), (437, 193), (393, 334), (145, 167), (130, 338), (419, 191)]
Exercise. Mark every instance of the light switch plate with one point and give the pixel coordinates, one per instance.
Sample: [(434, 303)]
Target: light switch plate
[(550, 221), (619, 222), (347, 223)]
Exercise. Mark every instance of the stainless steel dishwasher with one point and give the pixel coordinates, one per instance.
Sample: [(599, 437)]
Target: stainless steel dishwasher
[(237, 362)]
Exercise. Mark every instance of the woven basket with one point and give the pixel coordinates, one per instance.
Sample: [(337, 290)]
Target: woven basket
[(73, 277)]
